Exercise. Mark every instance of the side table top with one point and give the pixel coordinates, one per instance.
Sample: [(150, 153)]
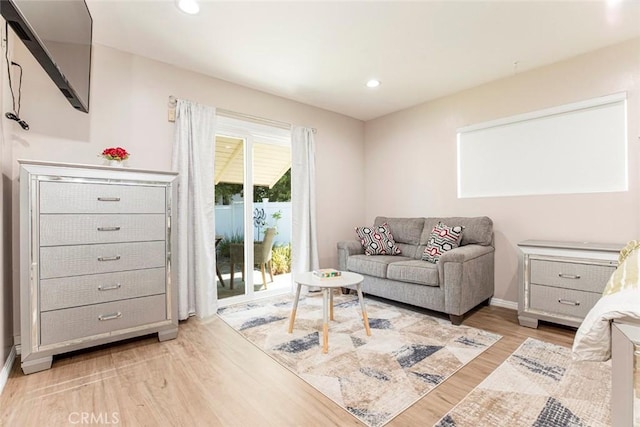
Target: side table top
[(346, 279)]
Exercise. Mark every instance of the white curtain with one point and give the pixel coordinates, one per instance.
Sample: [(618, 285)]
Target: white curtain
[(303, 195), (194, 252)]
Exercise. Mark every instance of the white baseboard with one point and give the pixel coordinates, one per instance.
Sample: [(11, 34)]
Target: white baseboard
[(504, 303), (8, 364)]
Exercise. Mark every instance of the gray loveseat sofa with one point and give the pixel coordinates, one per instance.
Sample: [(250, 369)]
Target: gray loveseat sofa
[(459, 281)]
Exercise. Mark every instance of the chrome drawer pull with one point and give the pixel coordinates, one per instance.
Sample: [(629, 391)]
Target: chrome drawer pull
[(569, 276), (109, 258), (108, 199), (110, 316), (108, 228), (567, 302), (109, 288)]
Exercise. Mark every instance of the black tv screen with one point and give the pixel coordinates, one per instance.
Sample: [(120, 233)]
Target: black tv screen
[(58, 34)]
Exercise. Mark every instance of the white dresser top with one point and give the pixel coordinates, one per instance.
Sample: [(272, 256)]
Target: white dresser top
[(95, 167), (582, 246)]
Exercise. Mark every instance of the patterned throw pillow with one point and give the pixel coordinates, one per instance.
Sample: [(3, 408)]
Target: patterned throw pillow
[(377, 240), (442, 239)]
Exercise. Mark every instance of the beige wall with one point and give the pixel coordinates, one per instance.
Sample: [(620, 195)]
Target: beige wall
[(410, 159), (129, 108)]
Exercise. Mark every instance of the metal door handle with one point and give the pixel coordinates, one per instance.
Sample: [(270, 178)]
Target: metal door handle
[(569, 276), (109, 258), (108, 228), (109, 288), (109, 199), (111, 316), (568, 302)]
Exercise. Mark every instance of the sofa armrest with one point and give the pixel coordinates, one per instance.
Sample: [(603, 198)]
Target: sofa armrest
[(464, 253), (345, 250), (466, 274)]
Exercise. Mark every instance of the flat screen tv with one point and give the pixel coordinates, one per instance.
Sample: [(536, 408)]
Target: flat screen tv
[(58, 34)]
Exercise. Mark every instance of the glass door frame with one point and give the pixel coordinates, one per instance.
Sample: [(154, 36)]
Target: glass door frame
[(237, 131)]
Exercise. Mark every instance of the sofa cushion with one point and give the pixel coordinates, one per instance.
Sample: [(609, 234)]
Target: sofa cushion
[(443, 238), (408, 250), (377, 240), (404, 230), (372, 265), (477, 230), (413, 271)]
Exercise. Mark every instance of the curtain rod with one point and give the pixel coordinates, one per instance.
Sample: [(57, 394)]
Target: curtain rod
[(235, 115)]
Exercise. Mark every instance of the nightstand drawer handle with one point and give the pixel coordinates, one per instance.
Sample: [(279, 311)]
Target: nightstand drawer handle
[(109, 258), (111, 316), (108, 199), (109, 288), (567, 302), (569, 276), (108, 228)]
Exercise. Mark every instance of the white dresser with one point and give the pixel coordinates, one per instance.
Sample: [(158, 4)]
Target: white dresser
[(561, 281), (95, 257)]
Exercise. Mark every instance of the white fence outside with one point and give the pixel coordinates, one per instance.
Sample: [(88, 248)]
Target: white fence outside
[(229, 220)]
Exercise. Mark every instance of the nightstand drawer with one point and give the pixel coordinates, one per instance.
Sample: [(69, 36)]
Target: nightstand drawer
[(566, 302), (75, 197), (75, 229), (75, 291), (570, 275), (64, 261), (72, 323)]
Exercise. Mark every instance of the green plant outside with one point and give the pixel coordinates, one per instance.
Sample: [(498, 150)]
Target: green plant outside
[(280, 192), (281, 259)]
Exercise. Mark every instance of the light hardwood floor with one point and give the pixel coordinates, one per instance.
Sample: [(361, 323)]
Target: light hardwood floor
[(211, 376)]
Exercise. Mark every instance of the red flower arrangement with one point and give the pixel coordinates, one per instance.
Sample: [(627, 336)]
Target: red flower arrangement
[(116, 153)]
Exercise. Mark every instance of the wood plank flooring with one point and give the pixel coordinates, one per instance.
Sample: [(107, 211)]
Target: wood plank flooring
[(211, 376)]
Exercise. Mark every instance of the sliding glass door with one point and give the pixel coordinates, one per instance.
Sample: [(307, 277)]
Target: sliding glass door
[(253, 211), (229, 173)]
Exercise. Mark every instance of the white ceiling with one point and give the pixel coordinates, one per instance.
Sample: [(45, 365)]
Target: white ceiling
[(322, 53)]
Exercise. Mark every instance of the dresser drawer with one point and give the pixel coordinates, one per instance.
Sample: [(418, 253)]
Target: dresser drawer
[(98, 288), (74, 197), (560, 301), (80, 322), (76, 229), (63, 261), (586, 277)]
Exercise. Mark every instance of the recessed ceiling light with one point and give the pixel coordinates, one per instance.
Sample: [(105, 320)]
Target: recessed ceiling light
[(188, 6), (373, 83)]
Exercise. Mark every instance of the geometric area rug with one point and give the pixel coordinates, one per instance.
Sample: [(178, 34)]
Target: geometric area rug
[(538, 385), (373, 377)]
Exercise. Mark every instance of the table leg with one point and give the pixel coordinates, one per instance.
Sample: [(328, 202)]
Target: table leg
[(331, 304), (365, 319), (295, 307), (325, 321)]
